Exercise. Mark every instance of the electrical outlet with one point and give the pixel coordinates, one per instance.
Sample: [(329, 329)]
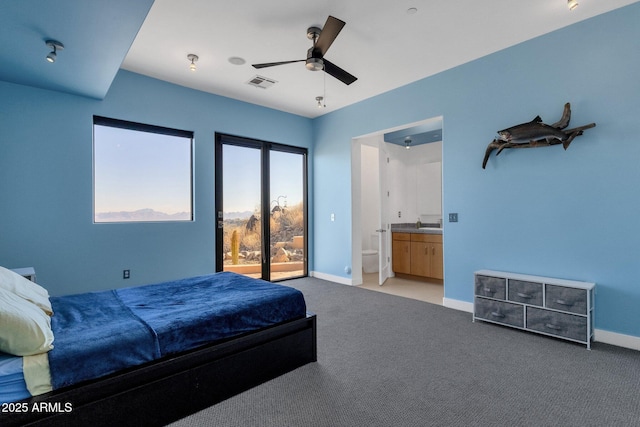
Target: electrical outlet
[(399, 214), (453, 217), (126, 274)]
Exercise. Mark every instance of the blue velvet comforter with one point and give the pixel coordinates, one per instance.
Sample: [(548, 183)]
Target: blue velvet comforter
[(100, 333)]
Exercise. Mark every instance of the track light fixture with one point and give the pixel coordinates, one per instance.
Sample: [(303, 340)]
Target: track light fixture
[(193, 58), (407, 142), (320, 99), (572, 4), (55, 46)]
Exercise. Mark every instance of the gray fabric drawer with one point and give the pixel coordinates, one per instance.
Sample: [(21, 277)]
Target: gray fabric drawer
[(525, 292), (560, 324), (566, 299), (492, 287), (499, 311)]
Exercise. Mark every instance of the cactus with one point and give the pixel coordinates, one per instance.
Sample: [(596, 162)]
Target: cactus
[(235, 247)]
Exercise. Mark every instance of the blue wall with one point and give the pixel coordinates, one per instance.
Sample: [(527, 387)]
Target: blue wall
[(570, 214), (46, 182), (545, 211)]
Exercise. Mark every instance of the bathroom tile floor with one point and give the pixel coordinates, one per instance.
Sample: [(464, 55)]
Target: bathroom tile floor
[(423, 291)]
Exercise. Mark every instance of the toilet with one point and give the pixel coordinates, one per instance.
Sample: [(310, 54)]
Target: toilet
[(370, 256)]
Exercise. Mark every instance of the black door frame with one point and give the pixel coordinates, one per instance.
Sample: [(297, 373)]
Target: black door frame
[(265, 148)]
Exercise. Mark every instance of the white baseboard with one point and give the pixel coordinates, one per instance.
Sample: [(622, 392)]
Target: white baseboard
[(599, 335), (331, 278), (458, 305), (614, 338)]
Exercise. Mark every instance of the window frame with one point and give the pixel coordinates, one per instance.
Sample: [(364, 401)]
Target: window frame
[(147, 128)]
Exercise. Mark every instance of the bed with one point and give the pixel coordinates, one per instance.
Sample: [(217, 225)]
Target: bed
[(173, 348)]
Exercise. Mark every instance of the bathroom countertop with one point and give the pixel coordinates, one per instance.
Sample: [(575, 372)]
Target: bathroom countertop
[(411, 228)]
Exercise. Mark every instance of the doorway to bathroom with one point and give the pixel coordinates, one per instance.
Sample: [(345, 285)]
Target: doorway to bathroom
[(396, 181)]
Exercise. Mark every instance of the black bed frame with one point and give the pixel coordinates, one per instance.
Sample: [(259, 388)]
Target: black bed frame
[(171, 388)]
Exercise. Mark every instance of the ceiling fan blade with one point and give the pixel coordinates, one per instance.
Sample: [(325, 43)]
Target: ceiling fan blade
[(272, 64), (328, 34), (338, 73)]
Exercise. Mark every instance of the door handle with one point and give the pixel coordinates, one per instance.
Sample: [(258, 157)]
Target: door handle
[(381, 230)]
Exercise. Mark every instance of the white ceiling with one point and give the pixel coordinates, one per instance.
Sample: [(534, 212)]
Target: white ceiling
[(381, 44)]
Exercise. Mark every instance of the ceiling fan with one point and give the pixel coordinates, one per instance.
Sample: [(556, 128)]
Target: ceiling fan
[(322, 39)]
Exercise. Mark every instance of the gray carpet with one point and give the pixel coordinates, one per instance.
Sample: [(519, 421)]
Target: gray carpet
[(390, 361)]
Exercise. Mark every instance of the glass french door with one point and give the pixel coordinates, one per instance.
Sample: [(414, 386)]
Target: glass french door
[(261, 208)]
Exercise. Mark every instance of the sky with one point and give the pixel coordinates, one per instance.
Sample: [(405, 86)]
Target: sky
[(136, 170), (241, 178)]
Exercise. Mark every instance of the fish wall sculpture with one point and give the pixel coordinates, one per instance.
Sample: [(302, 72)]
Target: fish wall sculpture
[(536, 134)]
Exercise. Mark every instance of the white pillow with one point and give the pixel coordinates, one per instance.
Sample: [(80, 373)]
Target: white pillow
[(24, 288), (24, 328)]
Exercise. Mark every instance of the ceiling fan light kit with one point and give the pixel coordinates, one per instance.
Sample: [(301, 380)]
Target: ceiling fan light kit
[(322, 40), (314, 64)]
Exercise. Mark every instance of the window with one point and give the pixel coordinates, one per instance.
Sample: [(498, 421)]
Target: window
[(141, 173)]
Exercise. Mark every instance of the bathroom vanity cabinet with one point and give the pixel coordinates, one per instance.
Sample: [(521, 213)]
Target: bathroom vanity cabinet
[(401, 253), (417, 254)]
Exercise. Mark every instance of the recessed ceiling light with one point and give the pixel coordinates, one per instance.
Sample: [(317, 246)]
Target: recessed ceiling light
[(236, 60), (412, 10)]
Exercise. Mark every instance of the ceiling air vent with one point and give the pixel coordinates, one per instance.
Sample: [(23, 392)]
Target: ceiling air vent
[(261, 82)]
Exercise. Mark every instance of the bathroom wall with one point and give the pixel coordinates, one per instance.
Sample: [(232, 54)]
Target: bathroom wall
[(370, 192), (415, 182)]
